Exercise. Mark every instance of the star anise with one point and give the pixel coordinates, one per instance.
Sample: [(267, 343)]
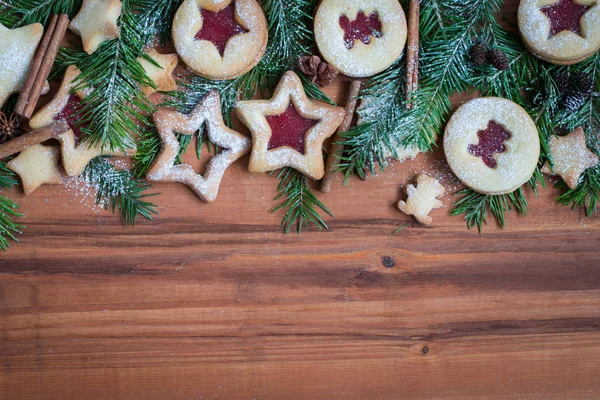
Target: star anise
[(318, 71), (10, 126)]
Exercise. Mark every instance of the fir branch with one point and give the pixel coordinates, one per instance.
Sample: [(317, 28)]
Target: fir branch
[(17, 13), (475, 206), (119, 189), (300, 204), (114, 74), (8, 228)]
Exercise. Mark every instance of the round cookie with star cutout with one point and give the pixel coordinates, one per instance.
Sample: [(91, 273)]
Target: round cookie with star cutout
[(492, 145), (220, 39), (562, 32), (360, 38)]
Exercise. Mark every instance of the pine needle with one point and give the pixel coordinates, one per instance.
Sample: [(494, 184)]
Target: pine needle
[(8, 228), (119, 189)]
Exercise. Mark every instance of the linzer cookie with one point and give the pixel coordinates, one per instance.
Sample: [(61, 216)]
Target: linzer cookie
[(220, 39), (289, 129), (492, 145), (360, 38), (561, 32), (66, 106), (233, 146)]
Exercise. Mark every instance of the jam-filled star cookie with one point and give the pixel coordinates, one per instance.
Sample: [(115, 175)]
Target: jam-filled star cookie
[(17, 49), (220, 39), (37, 165), (233, 146), (422, 199), (359, 37), (66, 106), (570, 157), (289, 129), (96, 22), (492, 145), (561, 32)]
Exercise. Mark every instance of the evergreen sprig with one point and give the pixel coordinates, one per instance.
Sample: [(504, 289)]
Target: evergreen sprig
[(118, 189), (17, 13), (290, 37), (8, 227), (300, 204)]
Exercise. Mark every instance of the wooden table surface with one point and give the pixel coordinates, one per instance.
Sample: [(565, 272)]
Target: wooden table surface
[(213, 301)]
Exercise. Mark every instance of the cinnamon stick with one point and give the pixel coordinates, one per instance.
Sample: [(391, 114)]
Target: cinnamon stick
[(46, 65), (412, 52), (35, 67), (32, 138), (337, 147)]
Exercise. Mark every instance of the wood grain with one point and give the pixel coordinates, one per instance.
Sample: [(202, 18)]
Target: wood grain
[(213, 301)]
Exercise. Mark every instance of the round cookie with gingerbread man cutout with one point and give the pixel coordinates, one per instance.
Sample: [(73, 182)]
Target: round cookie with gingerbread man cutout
[(360, 37), (220, 39), (492, 145), (562, 32)]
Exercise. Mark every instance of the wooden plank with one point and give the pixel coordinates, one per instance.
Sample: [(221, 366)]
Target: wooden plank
[(213, 301)]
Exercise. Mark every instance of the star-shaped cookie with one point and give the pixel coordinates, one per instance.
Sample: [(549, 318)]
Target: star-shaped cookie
[(161, 76), (17, 49), (234, 145), (570, 157), (37, 165), (289, 129), (96, 22), (65, 106)]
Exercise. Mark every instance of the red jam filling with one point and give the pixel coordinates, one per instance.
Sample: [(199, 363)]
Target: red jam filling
[(362, 28), (565, 16), (289, 129), (71, 114), (218, 27), (491, 141)]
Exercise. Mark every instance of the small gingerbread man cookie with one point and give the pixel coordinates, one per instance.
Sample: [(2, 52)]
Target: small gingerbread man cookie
[(96, 22), (422, 199), (360, 38), (492, 145), (570, 157), (161, 76), (66, 106), (561, 32), (233, 146), (289, 129), (220, 39)]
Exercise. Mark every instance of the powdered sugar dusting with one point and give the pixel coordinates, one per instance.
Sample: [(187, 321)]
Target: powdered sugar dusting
[(515, 165), (566, 46), (201, 56), (363, 59)]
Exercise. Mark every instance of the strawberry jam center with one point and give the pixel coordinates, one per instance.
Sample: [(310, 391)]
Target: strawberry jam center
[(289, 129), (362, 28), (491, 141), (565, 16), (218, 27), (71, 114)]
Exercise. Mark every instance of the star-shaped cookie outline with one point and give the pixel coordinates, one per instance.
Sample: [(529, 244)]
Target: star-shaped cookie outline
[(37, 165), (253, 114), (234, 145), (96, 22), (163, 76), (17, 50), (74, 157), (570, 157), (548, 10)]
